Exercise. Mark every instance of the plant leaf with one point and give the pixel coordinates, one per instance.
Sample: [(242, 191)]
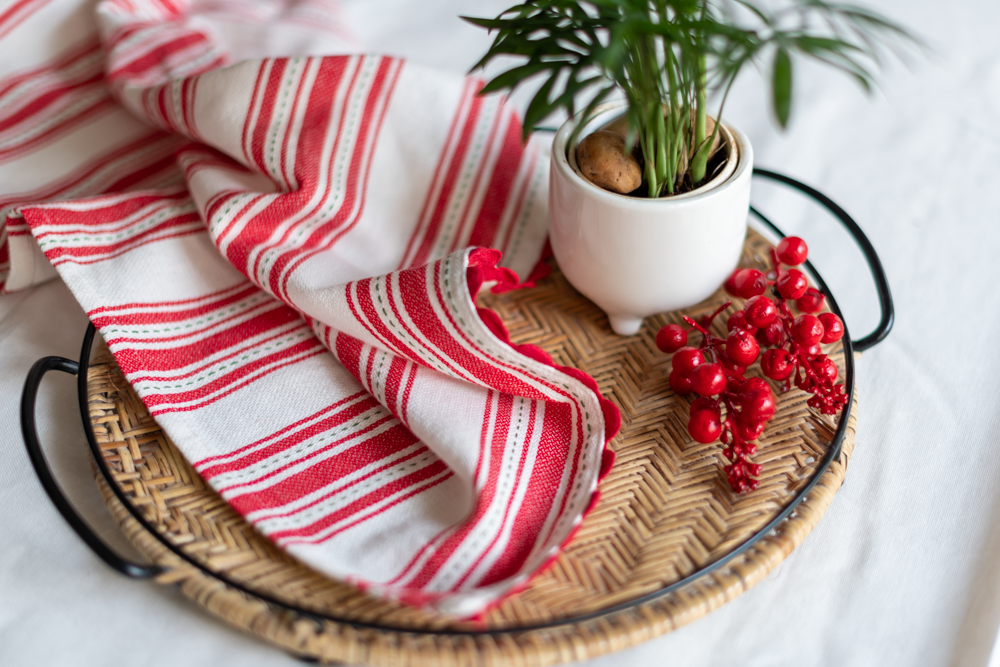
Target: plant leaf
[(781, 86)]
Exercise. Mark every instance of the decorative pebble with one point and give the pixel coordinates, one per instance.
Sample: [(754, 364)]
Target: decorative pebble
[(603, 160)]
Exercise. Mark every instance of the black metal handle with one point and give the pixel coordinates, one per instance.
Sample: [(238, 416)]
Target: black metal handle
[(28, 397), (874, 263)]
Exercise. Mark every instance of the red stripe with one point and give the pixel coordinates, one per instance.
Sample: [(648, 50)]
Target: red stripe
[(48, 98), (81, 252), (394, 382), (176, 233), (257, 231), (411, 378), (420, 487), (363, 456), (484, 495), (154, 172), (485, 371), (202, 463), (360, 291), (315, 126), (472, 190), (468, 91), (158, 400), (11, 18), (287, 139), (154, 315), (326, 424), (315, 241), (253, 105), (156, 411), (101, 106), (430, 235), (369, 452), (166, 304), (518, 529), (263, 122), (571, 403), (546, 475), (155, 58), (186, 222), (384, 493), (139, 363), (374, 102), (249, 205), (521, 197), (187, 332), (502, 182), (411, 279), (484, 431), (158, 145), (100, 209), (50, 70), (348, 350)]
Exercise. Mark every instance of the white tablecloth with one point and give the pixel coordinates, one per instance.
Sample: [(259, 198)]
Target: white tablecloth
[(905, 567)]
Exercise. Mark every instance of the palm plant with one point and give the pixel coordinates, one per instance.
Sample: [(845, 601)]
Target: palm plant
[(669, 57)]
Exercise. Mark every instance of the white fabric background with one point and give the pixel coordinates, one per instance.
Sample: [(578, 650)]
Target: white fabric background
[(905, 567)]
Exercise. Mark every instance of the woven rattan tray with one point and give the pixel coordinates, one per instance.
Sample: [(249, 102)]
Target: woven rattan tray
[(667, 543)]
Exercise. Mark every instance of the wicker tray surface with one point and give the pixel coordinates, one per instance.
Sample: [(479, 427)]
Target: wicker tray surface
[(665, 511)]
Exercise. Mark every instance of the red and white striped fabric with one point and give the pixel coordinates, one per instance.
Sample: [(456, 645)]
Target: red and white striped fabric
[(283, 253)]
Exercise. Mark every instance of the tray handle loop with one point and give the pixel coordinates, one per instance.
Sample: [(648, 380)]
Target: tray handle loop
[(30, 433), (874, 263)]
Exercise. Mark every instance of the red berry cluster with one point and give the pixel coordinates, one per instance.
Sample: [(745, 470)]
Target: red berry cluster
[(716, 370)]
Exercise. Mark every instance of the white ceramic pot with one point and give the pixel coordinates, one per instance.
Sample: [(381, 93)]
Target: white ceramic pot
[(636, 257)]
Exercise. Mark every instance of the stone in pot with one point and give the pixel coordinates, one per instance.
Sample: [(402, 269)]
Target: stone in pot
[(603, 160)]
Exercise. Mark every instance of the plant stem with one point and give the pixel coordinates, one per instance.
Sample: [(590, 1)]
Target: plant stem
[(661, 149), (674, 136), (699, 163), (649, 151)]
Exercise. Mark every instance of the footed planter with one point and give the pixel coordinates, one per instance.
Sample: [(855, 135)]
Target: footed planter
[(635, 257)]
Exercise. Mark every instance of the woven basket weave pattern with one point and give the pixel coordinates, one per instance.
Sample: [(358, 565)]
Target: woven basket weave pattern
[(665, 511)]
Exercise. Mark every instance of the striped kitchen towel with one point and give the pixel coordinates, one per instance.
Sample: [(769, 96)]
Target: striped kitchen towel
[(283, 253)]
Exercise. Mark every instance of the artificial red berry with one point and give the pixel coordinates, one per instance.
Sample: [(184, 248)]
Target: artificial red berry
[(770, 335), (746, 283), (825, 369), (777, 364), (680, 384), (703, 403), (791, 284), (807, 330), (687, 359), (708, 380), (741, 347), (750, 431), (755, 384), (671, 338), (760, 311), (792, 251), (811, 302), (833, 328), (730, 366), (728, 285), (757, 405), (814, 350), (705, 426), (739, 321)]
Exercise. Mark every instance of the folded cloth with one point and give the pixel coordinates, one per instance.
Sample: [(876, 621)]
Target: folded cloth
[(285, 270)]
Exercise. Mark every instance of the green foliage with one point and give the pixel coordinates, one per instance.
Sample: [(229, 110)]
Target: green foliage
[(668, 57)]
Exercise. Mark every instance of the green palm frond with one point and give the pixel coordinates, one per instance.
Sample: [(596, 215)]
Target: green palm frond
[(668, 57)]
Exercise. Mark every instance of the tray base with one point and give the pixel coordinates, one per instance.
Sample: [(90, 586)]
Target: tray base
[(665, 512)]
